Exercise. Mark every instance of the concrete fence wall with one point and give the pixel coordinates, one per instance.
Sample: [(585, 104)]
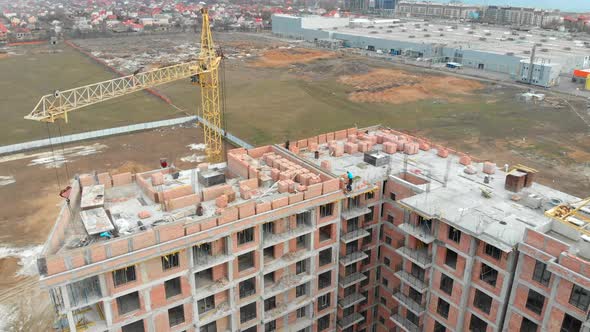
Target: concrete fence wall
[(8, 149)]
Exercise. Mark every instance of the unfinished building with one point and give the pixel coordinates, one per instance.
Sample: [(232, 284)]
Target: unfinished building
[(421, 238)]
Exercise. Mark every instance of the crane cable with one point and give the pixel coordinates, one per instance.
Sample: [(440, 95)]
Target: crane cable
[(63, 152), (53, 157)]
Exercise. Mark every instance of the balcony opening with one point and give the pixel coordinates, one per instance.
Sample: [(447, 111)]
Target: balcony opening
[(270, 303), (570, 324), (304, 219), (324, 301), (301, 267), (446, 284), (128, 303), (476, 324), (415, 295), (325, 256), (203, 253), (172, 287), (247, 288), (324, 323), (443, 308), (352, 247), (84, 291), (488, 274), (370, 215), (268, 229), (482, 301), (325, 233), (269, 279), (269, 253), (326, 210), (270, 326), (246, 261), (418, 272), (535, 302), (124, 276), (206, 304), (211, 327), (248, 312), (204, 278), (352, 225), (324, 280), (301, 290), (133, 327), (350, 269), (451, 259), (302, 242), (246, 236), (349, 290), (412, 318), (176, 315), (170, 261), (354, 202)]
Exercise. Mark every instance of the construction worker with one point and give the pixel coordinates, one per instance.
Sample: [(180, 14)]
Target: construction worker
[(350, 177)]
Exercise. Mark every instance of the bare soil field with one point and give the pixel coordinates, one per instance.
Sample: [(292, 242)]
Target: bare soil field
[(396, 86), (283, 57)]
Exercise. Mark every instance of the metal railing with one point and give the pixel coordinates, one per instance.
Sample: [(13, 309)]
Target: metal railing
[(417, 283), (410, 303), (421, 232), (405, 323), (419, 255), (352, 278), (353, 235), (351, 299), (348, 320), (353, 257)]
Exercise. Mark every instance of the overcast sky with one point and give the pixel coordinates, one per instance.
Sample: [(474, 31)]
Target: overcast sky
[(564, 5)]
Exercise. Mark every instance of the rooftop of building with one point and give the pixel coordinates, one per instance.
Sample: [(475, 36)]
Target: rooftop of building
[(450, 186), (105, 207), (551, 45)]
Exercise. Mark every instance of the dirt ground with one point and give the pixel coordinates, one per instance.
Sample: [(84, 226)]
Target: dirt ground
[(283, 57), (35, 203), (396, 86)]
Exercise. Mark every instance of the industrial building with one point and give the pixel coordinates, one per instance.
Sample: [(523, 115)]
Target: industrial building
[(483, 47), (417, 237)]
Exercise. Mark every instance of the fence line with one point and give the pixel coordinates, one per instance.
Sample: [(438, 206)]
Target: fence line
[(13, 148)]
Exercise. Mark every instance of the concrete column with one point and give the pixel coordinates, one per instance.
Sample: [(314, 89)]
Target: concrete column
[(551, 299), (108, 313), (466, 281), (150, 324), (103, 284), (513, 288), (67, 306), (507, 287)]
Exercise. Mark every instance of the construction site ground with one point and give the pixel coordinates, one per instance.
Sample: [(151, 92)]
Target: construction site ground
[(273, 92), (34, 202)]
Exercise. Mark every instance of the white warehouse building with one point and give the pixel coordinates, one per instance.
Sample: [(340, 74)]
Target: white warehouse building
[(490, 48)]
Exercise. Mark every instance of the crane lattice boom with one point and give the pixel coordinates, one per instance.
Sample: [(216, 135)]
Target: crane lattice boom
[(205, 71)]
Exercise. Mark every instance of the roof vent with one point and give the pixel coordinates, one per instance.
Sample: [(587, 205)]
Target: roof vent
[(210, 178), (376, 158)]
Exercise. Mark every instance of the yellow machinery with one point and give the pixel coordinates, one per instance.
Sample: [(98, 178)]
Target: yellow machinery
[(203, 72)]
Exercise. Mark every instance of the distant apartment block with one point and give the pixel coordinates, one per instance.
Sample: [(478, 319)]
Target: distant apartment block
[(423, 238), (436, 10), (520, 16)]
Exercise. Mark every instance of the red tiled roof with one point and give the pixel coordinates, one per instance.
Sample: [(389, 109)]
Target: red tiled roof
[(3, 28)]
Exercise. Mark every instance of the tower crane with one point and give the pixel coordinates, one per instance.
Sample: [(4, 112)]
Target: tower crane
[(203, 72)]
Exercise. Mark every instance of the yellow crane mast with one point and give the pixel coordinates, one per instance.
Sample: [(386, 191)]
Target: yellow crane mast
[(203, 72)]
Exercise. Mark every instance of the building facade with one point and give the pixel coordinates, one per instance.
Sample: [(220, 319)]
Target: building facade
[(520, 16), (438, 10), (421, 238)]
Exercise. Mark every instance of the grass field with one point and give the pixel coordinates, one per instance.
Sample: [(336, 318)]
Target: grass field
[(25, 78)]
